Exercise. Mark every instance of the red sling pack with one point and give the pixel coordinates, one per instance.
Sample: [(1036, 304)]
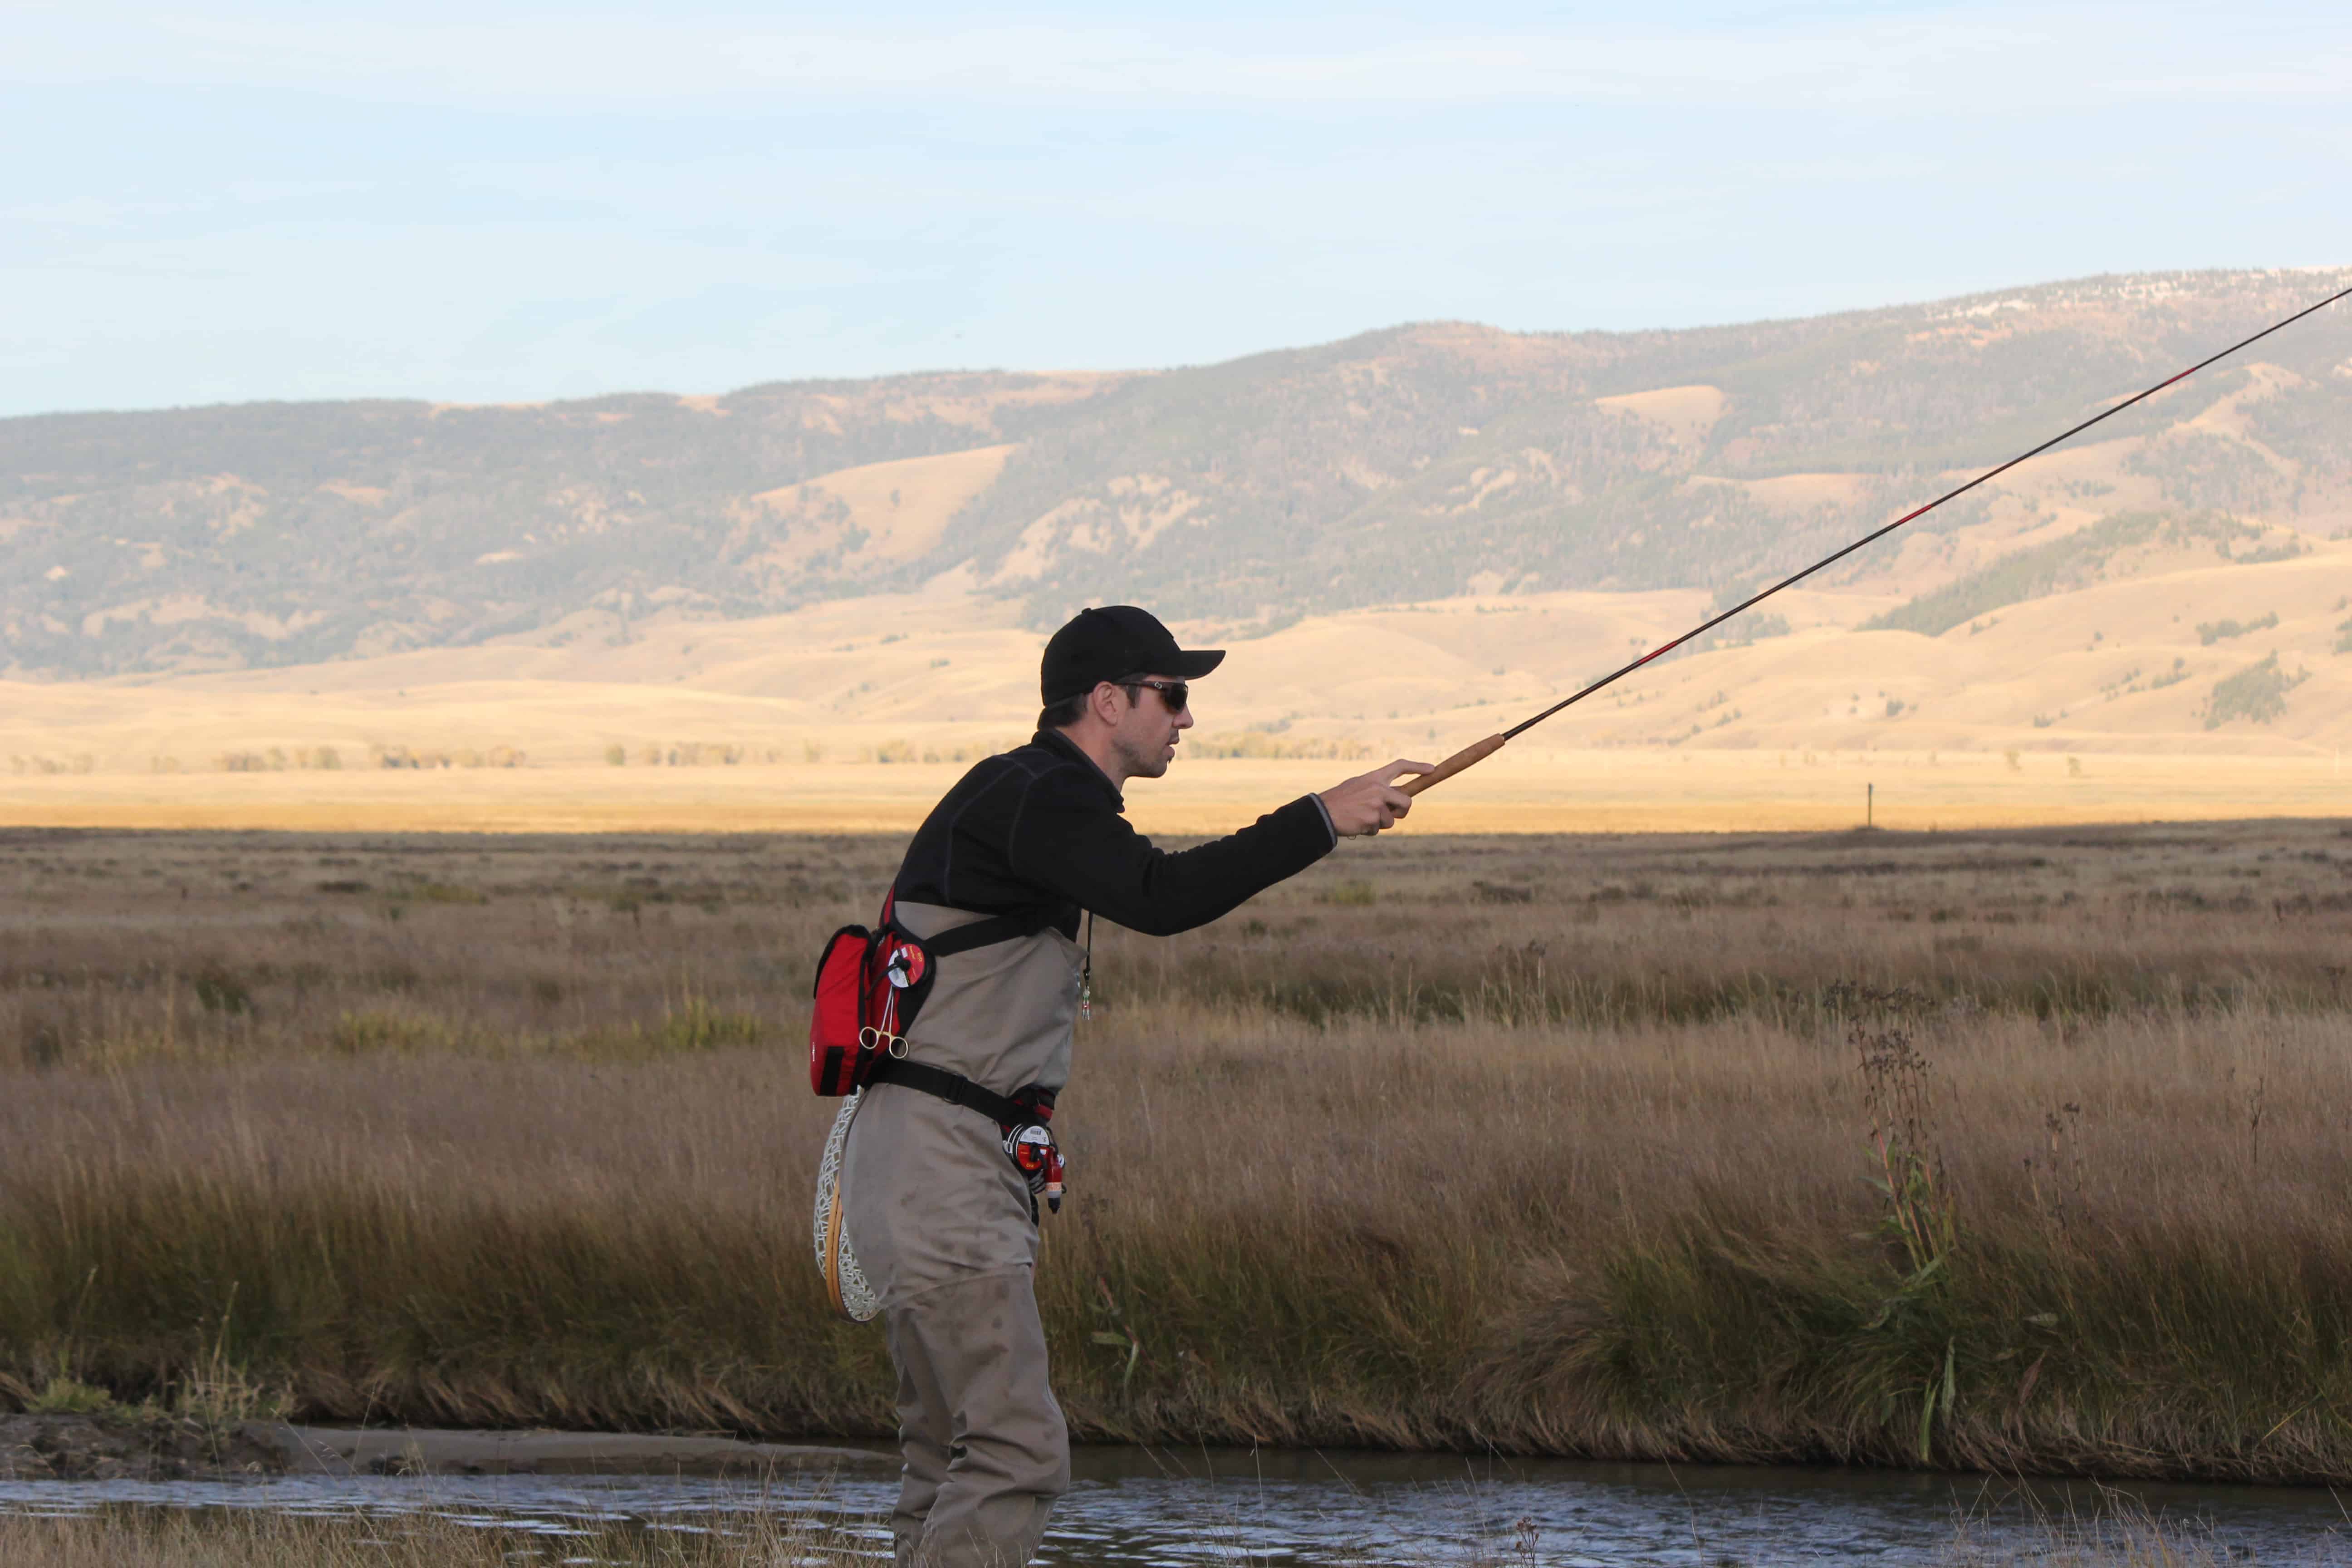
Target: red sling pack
[(871, 984)]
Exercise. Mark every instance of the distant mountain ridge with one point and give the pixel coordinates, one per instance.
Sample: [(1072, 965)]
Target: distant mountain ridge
[(1408, 464)]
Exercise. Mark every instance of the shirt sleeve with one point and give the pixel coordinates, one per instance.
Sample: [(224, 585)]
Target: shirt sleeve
[(1083, 850)]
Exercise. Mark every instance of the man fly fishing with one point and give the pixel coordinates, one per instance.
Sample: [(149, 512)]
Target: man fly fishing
[(956, 1017), (949, 1145)]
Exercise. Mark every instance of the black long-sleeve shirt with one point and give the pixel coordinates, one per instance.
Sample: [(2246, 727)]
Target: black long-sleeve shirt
[(1038, 830)]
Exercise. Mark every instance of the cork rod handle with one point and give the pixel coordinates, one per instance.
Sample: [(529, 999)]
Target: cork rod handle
[(1478, 752)]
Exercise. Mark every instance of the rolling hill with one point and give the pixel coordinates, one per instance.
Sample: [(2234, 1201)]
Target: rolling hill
[(1412, 464), (1407, 539)]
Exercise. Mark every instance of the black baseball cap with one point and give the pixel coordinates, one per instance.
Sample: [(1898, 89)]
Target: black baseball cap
[(1112, 642)]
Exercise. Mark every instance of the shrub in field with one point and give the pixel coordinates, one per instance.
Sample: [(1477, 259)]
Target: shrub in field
[(2211, 632), (2257, 692)]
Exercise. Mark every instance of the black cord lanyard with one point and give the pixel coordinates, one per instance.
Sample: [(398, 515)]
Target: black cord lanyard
[(1087, 973)]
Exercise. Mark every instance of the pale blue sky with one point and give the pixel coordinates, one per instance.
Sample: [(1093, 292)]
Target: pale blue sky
[(235, 201)]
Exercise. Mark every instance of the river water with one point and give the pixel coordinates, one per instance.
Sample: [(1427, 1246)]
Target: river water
[(1133, 1506)]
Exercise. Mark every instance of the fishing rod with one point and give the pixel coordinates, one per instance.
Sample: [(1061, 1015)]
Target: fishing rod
[(1480, 751)]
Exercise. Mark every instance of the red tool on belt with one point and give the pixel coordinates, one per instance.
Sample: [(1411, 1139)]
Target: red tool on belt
[(1029, 1145)]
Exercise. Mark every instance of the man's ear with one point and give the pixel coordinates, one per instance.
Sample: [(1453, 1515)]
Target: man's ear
[(1105, 702)]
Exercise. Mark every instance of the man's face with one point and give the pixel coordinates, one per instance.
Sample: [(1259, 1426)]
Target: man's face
[(1145, 737)]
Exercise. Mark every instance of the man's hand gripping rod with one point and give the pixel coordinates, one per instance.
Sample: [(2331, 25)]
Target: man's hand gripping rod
[(1479, 752)]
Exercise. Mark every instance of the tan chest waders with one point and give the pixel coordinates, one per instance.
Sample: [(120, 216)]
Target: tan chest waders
[(869, 986)]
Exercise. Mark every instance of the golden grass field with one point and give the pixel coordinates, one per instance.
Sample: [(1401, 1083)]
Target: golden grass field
[(784, 725), (1525, 789), (785, 720), (1557, 1144)]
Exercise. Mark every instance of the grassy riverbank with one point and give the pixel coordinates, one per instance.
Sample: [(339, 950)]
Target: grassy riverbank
[(1550, 1145), (126, 1537)]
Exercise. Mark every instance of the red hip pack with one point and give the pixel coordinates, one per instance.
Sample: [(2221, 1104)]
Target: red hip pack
[(871, 984)]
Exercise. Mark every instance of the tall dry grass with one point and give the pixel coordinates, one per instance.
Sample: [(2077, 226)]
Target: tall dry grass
[(125, 1538), (1543, 1145)]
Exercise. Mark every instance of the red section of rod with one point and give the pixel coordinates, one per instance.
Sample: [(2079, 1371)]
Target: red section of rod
[(1880, 533)]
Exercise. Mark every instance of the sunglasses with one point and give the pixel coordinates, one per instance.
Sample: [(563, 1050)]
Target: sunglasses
[(1176, 694)]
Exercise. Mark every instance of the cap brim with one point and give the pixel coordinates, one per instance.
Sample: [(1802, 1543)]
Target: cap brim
[(1192, 663)]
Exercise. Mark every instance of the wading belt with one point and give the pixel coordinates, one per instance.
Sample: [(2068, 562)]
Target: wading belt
[(1024, 1120), (952, 1087)]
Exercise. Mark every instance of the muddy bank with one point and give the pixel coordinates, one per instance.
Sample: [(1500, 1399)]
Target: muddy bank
[(122, 1446), (116, 1446)]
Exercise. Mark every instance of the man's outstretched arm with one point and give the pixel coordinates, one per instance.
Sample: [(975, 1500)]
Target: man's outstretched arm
[(1067, 841)]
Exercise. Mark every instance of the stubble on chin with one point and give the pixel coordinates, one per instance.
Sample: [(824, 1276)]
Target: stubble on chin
[(1141, 764)]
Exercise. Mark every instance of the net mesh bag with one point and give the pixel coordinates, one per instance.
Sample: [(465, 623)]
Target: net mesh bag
[(845, 1283)]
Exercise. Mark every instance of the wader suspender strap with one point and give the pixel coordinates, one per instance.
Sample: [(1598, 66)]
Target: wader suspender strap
[(953, 1087), (1028, 1139), (982, 933)]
